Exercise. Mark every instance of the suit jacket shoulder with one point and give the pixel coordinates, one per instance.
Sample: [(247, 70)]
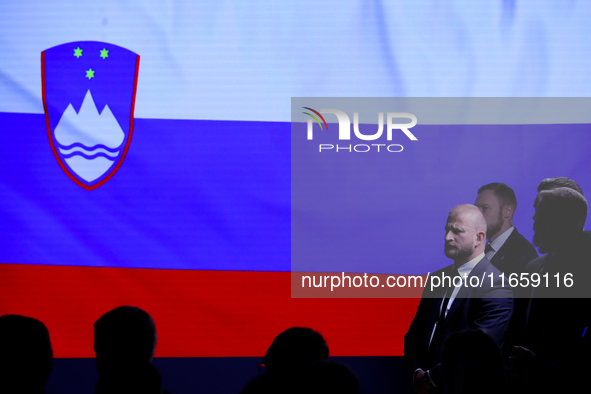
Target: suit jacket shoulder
[(514, 255), (535, 265), (488, 307), (493, 285)]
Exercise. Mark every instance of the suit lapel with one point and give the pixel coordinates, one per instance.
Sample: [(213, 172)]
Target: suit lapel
[(466, 291), (505, 249)]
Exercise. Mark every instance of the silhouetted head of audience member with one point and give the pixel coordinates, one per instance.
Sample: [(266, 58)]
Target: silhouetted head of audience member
[(473, 363), (327, 377), (294, 350), (559, 219), (288, 361), (26, 357), (555, 183), (124, 337)]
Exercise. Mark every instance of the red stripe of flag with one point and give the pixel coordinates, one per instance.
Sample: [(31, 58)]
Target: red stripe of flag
[(198, 313)]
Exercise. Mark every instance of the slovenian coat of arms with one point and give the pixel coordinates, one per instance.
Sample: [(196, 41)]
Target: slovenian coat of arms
[(89, 92)]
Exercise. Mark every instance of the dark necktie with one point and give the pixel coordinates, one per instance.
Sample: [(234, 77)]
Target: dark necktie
[(448, 293), (444, 305), (488, 249)]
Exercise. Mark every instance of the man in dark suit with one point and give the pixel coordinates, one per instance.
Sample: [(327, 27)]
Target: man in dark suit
[(476, 300), (507, 250), (558, 316)]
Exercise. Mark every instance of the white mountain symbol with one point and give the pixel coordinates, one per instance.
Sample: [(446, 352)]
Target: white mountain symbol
[(90, 129)]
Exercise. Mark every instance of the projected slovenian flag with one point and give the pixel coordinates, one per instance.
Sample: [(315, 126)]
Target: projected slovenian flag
[(168, 185)]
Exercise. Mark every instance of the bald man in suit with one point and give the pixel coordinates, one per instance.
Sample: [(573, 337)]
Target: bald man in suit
[(444, 310)]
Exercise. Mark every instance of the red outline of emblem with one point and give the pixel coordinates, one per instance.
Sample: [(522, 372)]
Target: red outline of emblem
[(72, 177)]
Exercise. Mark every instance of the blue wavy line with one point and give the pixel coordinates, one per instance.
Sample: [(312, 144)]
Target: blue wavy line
[(90, 157), (78, 144)]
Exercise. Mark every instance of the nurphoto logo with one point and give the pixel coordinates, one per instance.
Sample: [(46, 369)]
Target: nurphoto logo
[(344, 132)]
